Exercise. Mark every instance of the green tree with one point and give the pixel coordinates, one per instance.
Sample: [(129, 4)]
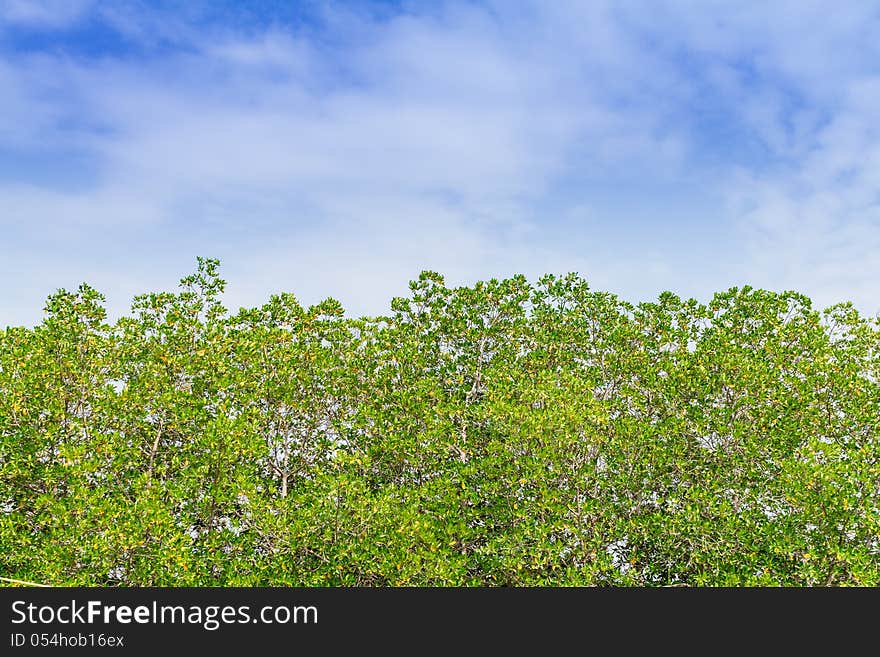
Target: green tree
[(503, 433)]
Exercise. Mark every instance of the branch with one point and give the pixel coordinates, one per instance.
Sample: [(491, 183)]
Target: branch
[(24, 583)]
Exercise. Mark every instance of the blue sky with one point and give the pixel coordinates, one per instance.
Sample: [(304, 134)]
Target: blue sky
[(340, 148)]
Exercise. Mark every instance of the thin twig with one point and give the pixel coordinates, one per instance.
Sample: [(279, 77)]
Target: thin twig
[(19, 581)]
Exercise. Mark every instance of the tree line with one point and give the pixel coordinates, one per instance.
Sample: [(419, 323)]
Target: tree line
[(504, 433)]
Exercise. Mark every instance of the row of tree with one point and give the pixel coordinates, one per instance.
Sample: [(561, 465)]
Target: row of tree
[(505, 433)]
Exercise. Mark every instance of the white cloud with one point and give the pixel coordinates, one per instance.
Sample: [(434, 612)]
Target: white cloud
[(46, 14), (816, 225), (465, 140)]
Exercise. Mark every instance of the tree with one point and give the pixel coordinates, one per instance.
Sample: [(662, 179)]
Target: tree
[(503, 433)]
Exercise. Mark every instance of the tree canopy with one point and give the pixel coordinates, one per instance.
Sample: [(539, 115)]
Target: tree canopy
[(504, 433)]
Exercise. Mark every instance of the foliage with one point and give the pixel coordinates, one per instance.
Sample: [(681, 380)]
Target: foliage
[(506, 433)]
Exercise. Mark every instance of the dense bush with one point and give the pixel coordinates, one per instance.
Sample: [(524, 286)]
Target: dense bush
[(500, 434)]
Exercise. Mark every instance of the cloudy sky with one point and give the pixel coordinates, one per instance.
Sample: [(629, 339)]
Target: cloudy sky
[(337, 149)]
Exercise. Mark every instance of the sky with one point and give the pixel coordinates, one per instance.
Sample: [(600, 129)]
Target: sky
[(338, 149)]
